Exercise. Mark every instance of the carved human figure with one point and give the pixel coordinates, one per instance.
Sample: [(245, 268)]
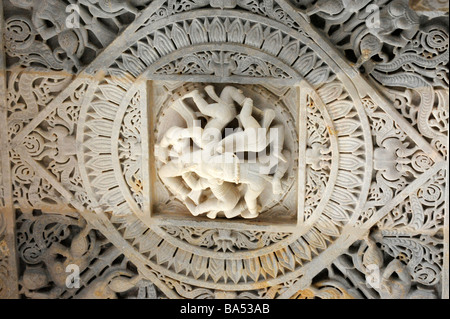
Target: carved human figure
[(223, 111), (173, 148), (392, 281), (226, 197), (382, 278), (50, 19), (83, 248), (176, 142), (193, 164), (397, 15), (171, 175), (254, 137), (228, 168), (109, 9)]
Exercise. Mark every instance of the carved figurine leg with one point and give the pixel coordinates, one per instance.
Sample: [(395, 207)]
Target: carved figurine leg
[(251, 199), (207, 206), (237, 210), (230, 94), (185, 111), (276, 141), (279, 173), (268, 116), (214, 110), (212, 93), (191, 206), (170, 176), (226, 198), (220, 113), (247, 140), (212, 214), (226, 108), (246, 118), (199, 100)]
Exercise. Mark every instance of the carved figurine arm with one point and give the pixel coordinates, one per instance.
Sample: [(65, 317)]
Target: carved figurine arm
[(174, 134), (246, 117)]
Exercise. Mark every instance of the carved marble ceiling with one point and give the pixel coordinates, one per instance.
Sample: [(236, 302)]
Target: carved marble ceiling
[(94, 91)]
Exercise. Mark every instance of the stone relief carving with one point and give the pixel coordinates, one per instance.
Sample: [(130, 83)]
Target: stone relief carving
[(217, 163), (49, 244), (224, 155), (375, 274), (93, 161), (81, 30), (400, 61)]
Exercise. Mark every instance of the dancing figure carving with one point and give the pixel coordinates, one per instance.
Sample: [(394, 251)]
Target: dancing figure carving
[(215, 175)]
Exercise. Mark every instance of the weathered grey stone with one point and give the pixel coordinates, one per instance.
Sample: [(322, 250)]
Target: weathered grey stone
[(431, 8)]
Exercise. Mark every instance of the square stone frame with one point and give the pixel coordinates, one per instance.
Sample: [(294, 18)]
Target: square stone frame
[(148, 171)]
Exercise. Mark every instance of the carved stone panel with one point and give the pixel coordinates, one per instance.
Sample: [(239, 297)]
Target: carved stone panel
[(224, 149), (249, 135)]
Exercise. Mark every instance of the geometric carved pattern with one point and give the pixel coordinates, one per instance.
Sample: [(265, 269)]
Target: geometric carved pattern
[(365, 214)]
